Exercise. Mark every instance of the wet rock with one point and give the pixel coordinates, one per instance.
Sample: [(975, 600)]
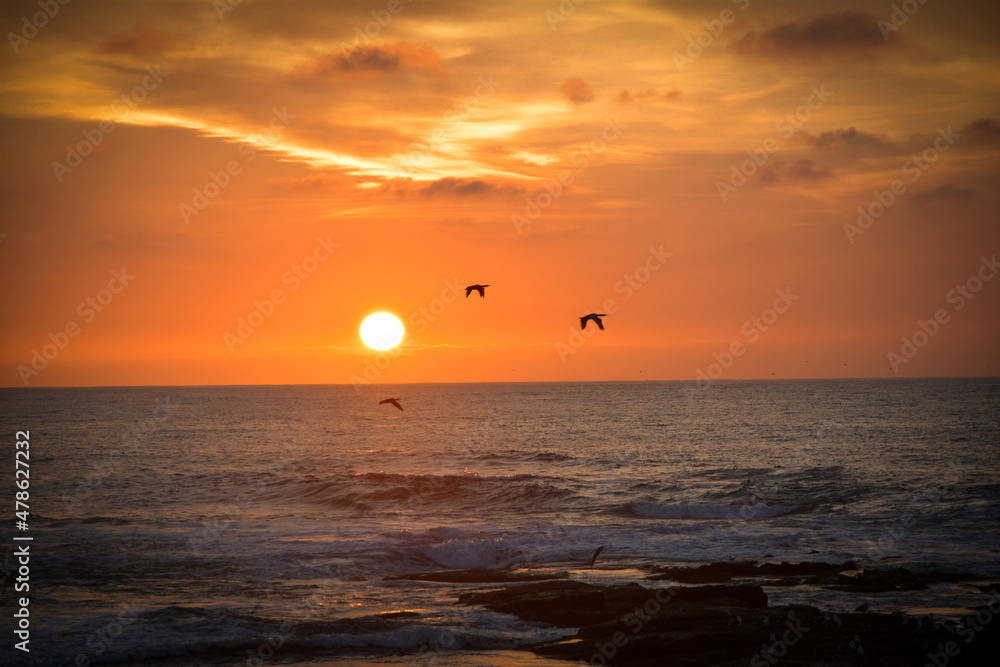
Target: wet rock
[(563, 603), (574, 604), (686, 633), (724, 572), (879, 581), (481, 576), (729, 596), (730, 625)]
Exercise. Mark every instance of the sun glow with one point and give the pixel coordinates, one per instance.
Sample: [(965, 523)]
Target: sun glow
[(382, 331)]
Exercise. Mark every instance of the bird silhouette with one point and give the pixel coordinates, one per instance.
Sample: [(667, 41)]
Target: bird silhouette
[(391, 401), (593, 316), (596, 554), (479, 288)]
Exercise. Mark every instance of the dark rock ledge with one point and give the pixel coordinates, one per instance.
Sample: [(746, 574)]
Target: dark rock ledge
[(731, 625)]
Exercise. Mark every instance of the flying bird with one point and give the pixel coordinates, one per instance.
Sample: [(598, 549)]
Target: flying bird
[(596, 554), (479, 288), (391, 401), (593, 316)]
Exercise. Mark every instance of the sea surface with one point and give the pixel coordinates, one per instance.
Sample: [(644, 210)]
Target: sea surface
[(260, 525)]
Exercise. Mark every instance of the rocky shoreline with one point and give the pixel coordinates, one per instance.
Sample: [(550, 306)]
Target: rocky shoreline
[(719, 614)]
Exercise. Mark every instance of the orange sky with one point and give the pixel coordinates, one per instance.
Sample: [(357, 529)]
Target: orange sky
[(216, 155)]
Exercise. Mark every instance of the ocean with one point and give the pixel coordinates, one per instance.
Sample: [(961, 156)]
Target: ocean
[(262, 525)]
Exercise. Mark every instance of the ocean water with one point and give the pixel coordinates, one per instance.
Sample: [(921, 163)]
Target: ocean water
[(259, 525)]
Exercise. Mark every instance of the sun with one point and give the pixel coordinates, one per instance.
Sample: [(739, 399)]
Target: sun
[(382, 331)]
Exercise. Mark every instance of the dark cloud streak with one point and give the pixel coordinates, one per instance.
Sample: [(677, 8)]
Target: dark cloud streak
[(143, 40), (370, 59), (946, 192), (840, 34)]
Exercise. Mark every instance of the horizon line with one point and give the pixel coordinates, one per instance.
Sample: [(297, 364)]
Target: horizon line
[(374, 384)]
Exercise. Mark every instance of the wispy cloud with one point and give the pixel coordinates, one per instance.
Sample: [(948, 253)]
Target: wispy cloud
[(800, 170)]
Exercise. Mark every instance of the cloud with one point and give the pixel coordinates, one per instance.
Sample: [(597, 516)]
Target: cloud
[(982, 131), (398, 187), (625, 97), (800, 170), (468, 187), (946, 192), (144, 40), (577, 91), (405, 188), (840, 137), (372, 59), (839, 34)]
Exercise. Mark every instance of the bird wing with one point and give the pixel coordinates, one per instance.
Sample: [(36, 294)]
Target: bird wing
[(600, 325), (468, 291), (596, 554)]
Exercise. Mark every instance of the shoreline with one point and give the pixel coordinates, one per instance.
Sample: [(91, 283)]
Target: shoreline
[(721, 614)]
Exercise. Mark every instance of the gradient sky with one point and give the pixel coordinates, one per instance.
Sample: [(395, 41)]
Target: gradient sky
[(541, 151)]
